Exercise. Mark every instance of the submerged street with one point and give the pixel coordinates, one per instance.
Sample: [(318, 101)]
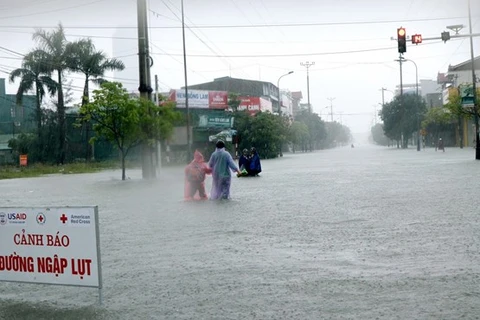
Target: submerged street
[(361, 233)]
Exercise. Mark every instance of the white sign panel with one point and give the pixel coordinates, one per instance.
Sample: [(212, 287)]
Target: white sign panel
[(196, 98), (56, 245)]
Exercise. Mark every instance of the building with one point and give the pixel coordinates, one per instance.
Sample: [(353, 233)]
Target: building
[(425, 87), (244, 88), (286, 102), (462, 72), (458, 75), (14, 119), (296, 98)]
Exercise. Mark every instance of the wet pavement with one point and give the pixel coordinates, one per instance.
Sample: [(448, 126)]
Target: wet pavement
[(364, 233)]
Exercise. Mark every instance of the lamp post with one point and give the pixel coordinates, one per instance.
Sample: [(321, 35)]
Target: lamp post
[(278, 87)]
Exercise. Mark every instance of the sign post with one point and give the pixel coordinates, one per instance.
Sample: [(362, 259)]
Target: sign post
[(54, 245), (23, 160)]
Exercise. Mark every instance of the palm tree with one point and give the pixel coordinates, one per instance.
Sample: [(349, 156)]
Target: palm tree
[(34, 76), (93, 64), (83, 58), (53, 50)]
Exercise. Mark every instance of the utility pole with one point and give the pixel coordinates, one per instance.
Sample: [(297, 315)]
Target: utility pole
[(331, 108), (308, 65), (145, 88), (189, 151), (158, 145), (474, 85)]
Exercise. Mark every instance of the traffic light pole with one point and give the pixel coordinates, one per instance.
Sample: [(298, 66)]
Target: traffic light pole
[(400, 60)]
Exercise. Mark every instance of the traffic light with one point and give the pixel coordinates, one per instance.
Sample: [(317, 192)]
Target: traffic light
[(402, 40), (417, 38)]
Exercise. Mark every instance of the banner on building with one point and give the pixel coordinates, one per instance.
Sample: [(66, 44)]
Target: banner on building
[(218, 100), (56, 245), (200, 99), (254, 104)]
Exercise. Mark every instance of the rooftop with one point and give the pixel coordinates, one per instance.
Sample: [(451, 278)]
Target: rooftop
[(466, 65)]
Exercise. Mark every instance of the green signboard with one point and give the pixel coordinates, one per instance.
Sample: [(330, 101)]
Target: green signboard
[(214, 121), (466, 94)]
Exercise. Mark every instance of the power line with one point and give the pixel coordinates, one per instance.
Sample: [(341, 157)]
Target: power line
[(312, 24), (50, 11), (297, 54)]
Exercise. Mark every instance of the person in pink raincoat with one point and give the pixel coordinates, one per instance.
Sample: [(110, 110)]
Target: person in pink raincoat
[(195, 174), (221, 163)]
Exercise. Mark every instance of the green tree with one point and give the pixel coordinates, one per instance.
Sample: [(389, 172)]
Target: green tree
[(84, 58), (402, 116), (337, 134), (316, 128), (52, 53), (298, 135), (127, 122), (378, 135), (34, 76), (437, 120)]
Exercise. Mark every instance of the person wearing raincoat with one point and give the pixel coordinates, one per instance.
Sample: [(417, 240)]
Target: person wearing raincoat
[(195, 174), (255, 166), (221, 163)]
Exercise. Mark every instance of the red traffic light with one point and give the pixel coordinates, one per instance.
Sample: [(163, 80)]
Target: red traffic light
[(402, 40), (417, 38)]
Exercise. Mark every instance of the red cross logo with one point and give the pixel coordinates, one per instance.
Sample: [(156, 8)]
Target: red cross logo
[(41, 218), (63, 218)]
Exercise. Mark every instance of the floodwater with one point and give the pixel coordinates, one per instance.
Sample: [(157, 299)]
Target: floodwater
[(364, 233)]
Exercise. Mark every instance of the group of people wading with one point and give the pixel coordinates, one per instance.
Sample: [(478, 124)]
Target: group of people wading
[(220, 166)]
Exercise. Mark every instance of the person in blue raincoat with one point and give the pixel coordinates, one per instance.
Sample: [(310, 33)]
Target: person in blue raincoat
[(244, 161), (255, 166), (221, 163)]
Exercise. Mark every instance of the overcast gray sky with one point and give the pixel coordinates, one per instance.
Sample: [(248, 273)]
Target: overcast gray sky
[(349, 41)]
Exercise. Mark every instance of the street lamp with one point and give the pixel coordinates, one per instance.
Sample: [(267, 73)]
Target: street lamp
[(278, 87)]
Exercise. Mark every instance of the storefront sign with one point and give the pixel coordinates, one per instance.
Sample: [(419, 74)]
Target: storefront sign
[(200, 99), (254, 104), (218, 99), (212, 121)]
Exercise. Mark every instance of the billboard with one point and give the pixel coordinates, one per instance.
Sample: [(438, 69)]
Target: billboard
[(56, 245), (218, 99), (200, 99), (254, 104)]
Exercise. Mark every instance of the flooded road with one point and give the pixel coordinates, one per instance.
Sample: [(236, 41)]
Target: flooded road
[(360, 233)]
